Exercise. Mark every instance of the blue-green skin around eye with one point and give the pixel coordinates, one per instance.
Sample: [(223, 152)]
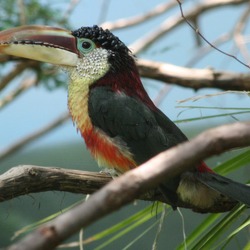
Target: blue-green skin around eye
[(80, 41)]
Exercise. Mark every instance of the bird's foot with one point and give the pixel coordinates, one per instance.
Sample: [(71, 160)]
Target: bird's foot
[(110, 172)]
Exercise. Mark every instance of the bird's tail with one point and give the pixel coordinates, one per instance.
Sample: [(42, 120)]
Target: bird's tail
[(234, 190)]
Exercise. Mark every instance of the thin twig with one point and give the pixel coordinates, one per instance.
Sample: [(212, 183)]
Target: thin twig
[(162, 94), (72, 5), (198, 39), (174, 21), (105, 4), (238, 37), (18, 69), (24, 85), (132, 21), (33, 136), (196, 98), (201, 52), (196, 29), (22, 14)]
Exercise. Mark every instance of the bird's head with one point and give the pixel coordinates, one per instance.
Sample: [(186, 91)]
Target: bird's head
[(92, 56), (89, 52)]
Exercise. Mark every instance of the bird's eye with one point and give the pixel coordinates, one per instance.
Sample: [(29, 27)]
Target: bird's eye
[(85, 45)]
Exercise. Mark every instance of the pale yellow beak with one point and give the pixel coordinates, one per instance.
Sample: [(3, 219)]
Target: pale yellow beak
[(41, 43)]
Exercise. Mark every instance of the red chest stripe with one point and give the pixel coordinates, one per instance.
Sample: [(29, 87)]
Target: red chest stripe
[(203, 168), (107, 151)]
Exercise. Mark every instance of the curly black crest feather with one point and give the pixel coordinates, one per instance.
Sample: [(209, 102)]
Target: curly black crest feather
[(120, 56), (104, 38)]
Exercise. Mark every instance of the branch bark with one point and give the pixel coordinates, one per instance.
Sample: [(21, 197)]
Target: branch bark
[(129, 186), (41, 179), (194, 78)]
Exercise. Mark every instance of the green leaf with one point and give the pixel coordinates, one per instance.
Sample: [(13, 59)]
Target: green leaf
[(247, 246), (207, 241), (211, 116), (141, 235), (245, 224), (234, 163), (40, 222), (208, 232), (125, 231), (150, 210), (214, 108), (197, 233), (127, 226)]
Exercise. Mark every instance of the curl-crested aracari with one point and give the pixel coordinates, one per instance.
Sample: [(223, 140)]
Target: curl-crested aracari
[(120, 124)]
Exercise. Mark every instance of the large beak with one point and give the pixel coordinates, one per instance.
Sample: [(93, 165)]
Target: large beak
[(41, 43)]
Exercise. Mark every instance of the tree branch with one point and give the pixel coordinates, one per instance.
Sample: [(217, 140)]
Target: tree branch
[(197, 31), (41, 179), (194, 78), (22, 87), (129, 186), (18, 69), (135, 20), (239, 39), (174, 21), (202, 51), (33, 136)]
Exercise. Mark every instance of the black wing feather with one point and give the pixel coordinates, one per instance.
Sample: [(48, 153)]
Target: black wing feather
[(146, 132), (228, 187)]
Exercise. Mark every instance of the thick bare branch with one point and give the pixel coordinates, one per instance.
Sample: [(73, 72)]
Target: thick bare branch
[(129, 186), (25, 179), (194, 78), (42, 179)]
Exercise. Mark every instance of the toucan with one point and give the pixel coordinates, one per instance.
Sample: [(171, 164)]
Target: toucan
[(120, 124)]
